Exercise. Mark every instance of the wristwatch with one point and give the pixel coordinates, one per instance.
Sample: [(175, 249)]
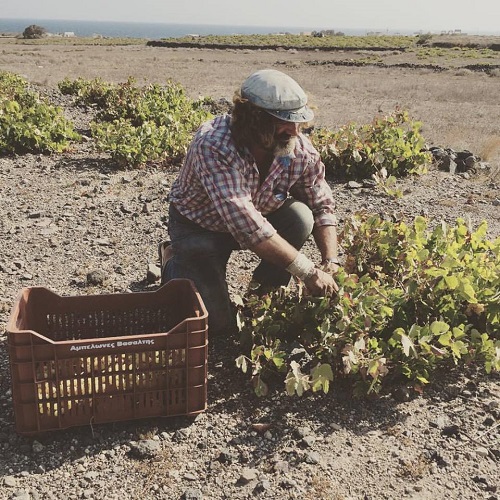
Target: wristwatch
[(331, 260)]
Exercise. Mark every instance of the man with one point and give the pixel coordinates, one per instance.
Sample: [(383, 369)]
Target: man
[(252, 180)]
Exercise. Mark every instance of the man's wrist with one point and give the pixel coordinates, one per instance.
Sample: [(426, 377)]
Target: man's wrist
[(301, 267), (331, 260)]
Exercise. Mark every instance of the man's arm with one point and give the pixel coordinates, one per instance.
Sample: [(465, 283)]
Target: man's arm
[(326, 241), (280, 253)]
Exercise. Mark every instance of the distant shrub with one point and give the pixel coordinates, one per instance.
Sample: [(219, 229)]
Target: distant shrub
[(424, 38), (34, 31), (28, 123), (391, 144), (137, 125)]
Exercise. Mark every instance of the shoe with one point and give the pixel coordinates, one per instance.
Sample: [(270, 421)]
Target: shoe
[(165, 253)]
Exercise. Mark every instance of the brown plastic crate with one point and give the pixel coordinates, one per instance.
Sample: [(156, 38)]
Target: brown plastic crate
[(107, 358)]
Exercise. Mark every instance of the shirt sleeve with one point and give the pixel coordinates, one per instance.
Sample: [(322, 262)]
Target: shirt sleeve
[(312, 189), (230, 193)]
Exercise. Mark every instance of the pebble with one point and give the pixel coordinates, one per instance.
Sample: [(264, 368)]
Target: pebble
[(37, 447), (96, 278), (10, 481), (192, 494), (247, 476), (147, 448), (308, 441)]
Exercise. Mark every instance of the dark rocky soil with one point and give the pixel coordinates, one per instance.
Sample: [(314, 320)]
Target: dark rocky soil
[(65, 216)]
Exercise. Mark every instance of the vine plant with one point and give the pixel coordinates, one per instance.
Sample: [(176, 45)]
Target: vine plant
[(409, 299)]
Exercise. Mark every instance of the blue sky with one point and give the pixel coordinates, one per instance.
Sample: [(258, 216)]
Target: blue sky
[(427, 15)]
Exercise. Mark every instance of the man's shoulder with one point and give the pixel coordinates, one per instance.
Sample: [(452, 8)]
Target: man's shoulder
[(306, 148), (215, 130)]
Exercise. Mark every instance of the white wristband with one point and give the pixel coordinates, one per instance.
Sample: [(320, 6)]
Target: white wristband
[(301, 267)]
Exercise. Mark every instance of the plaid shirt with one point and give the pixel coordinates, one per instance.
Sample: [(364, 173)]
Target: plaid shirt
[(218, 186)]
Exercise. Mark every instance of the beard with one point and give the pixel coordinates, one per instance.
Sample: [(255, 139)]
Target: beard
[(284, 146)]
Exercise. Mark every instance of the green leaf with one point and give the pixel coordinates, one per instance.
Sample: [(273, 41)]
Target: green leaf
[(260, 387), (439, 327), (408, 346), (322, 375), (296, 381), (445, 339), (451, 282), (241, 362)]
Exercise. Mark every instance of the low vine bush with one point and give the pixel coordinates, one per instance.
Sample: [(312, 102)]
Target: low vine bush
[(137, 125), (29, 124), (410, 299), (389, 146)]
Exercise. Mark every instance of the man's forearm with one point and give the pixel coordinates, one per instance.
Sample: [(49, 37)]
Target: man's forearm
[(276, 250), (326, 241)]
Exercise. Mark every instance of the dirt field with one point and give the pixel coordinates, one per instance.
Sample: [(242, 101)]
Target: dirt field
[(459, 107), (65, 216)]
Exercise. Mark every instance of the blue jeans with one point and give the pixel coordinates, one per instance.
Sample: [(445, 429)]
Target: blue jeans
[(202, 255)]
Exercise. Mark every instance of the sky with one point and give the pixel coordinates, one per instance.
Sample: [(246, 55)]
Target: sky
[(426, 15)]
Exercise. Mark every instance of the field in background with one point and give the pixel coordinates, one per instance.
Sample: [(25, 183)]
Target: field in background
[(453, 91)]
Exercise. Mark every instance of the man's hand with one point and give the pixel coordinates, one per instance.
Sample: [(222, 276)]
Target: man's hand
[(321, 283), (330, 267)]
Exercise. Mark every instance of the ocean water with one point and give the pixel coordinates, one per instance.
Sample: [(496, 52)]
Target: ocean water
[(149, 30)]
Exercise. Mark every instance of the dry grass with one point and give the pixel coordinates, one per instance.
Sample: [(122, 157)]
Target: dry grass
[(490, 148)]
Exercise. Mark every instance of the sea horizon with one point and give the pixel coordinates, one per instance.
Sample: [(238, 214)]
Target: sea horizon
[(117, 29)]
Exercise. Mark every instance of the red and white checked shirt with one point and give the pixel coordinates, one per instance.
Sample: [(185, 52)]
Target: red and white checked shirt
[(218, 186)]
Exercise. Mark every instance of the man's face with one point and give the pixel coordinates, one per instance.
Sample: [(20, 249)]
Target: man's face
[(285, 136)]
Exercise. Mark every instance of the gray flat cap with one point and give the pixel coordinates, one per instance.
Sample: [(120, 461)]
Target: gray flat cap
[(278, 94)]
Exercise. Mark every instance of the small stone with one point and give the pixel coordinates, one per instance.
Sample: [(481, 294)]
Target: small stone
[(482, 451), (308, 441), (288, 483), (450, 430), (470, 161), (303, 432), (313, 457), (37, 447), (10, 481), (96, 278), (147, 448), (401, 394), (227, 456), (247, 476), (192, 494), (452, 166), (90, 476), (281, 466), (262, 486), (439, 423)]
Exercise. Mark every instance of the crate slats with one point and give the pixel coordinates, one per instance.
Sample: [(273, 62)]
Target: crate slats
[(107, 358)]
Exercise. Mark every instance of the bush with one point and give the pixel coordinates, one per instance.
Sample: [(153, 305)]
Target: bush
[(410, 300), (137, 125), (392, 143), (28, 123), (34, 31)]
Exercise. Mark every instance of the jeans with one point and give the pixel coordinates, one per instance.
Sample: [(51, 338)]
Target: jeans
[(202, 255)]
